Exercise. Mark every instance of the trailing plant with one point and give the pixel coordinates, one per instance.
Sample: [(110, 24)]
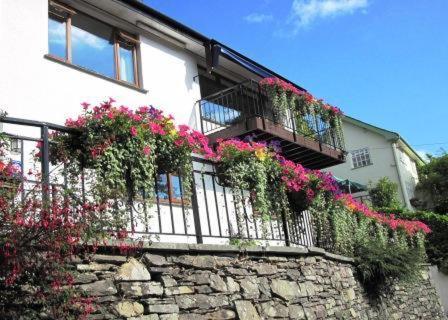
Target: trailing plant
[(285, 96), (126, 148), (251, 166), (347, 227), (282, 95), (436, 242), (379, 265)]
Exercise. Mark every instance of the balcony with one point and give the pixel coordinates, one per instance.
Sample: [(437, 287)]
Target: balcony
[(245, 110)]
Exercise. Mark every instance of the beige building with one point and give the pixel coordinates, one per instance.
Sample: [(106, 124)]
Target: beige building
[(373, 153)]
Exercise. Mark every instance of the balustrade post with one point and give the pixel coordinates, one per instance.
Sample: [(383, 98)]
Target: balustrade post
[(45, 165), (285, 229), (195, 207)]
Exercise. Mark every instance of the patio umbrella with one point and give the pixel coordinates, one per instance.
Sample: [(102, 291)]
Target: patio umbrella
[(350, 186)]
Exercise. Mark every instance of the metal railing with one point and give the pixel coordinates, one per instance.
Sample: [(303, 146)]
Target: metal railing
[(212, 214), (247, 100)]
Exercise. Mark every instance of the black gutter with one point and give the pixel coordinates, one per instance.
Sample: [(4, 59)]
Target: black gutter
[(273, 73), (176, 25), (207, 42)]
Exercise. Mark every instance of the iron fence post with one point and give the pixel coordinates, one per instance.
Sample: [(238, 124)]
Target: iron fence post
[(45, 165), (195, 207), (285, 229)]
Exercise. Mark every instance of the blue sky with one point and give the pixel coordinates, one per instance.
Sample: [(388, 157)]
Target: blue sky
[(383, 62)]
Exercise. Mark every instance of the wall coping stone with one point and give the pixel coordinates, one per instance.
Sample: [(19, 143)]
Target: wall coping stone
[(223, 248)]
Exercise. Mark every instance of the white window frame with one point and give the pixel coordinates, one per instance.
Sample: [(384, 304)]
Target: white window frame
[(361, 158)]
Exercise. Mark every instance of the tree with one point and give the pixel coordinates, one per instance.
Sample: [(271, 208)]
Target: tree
[(385, 194), (432, 189)]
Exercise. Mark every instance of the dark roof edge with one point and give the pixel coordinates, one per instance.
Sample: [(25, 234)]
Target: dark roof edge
[(139, 5), (176, 25), (256, 64), (396, 136)]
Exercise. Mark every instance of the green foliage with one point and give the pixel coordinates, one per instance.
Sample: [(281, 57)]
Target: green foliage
[(437, 240), (381, 254), (257, 172), (378, 264), (433, 184), (384, 194)]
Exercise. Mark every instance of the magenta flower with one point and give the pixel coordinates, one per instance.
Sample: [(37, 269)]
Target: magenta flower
[(133, 131)]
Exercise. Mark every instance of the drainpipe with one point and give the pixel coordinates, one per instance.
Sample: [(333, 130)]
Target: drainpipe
[(400, 177)]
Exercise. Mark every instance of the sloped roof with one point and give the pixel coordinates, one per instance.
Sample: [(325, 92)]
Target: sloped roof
[(389, 135), (228, 52)]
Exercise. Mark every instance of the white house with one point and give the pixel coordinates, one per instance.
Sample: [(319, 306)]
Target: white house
[(62, 53), (374, 153)]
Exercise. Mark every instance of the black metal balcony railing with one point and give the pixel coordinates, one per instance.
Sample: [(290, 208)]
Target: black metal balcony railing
[(209, 215), (235, 106)]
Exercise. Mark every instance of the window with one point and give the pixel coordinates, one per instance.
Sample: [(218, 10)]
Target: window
[(169, 188), (361, 158), (81, 40)]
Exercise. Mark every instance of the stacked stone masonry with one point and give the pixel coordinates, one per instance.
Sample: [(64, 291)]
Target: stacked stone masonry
[(222, 282)]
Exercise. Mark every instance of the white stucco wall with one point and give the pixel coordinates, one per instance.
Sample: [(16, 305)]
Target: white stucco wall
[(440, 281), (409, 172), (381, 154), (35, 88)]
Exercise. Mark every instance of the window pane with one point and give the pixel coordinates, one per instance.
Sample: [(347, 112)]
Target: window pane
[(126, 64), (162, 186), (92, 45), (175, 185), (57, 40)]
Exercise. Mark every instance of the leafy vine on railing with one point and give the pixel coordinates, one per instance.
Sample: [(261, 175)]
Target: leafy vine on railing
[(126, 148), (284, 96), (384, 247)]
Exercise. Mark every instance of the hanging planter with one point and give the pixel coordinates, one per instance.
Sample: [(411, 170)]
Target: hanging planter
[(285, 96), (126, 148), (251, 166)]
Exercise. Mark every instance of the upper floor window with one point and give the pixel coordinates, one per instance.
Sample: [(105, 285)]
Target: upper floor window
[(79, 39), (361, 158)]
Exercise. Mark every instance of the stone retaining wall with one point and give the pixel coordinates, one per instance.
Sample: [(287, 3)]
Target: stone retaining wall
[(222, 282)]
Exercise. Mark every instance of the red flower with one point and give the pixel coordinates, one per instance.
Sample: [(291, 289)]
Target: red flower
[(133, 131)]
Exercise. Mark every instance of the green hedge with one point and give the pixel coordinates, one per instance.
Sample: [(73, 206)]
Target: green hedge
[(437, 240)]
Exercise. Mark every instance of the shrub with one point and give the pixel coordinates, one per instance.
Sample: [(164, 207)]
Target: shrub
[(378, 265), (432, 188), (437, 240), (385, 194)]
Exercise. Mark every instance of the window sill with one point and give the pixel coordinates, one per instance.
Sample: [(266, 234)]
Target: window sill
[(93, 73), (368, 165)]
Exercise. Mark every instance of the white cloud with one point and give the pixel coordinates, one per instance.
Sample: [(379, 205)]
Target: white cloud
[(258, 18), (304, 12), (79, 37), (82, 37)]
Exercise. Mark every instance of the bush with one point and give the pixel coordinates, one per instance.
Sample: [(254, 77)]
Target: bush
[(432, 189), (385, 194), (377, 265), (437, 240)]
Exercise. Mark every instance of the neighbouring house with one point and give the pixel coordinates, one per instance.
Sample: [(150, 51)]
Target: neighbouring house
[(62, 53), (374, 153)]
